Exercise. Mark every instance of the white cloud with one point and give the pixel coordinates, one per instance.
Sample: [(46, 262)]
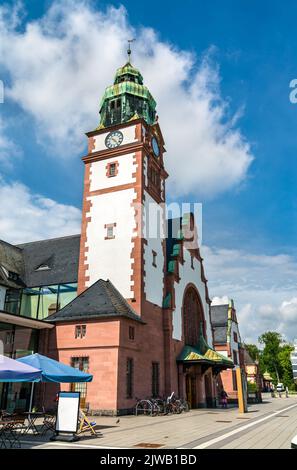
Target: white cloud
[(263, 288), (67, 58), (8, 149), (220, 300), (27, 217), (59, 66)]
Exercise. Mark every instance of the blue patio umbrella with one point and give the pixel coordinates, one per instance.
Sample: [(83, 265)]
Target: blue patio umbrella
[(54, 371), (13, 371)]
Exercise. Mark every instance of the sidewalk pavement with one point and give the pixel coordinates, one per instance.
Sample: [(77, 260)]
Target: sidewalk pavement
[(189, 430)]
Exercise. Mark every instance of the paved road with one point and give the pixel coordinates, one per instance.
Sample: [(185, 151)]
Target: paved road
[(271, 424)]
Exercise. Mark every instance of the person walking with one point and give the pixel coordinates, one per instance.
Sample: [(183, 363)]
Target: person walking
[(224, 397)]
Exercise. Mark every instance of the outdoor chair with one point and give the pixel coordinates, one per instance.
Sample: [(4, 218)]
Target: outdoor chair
[(11, 430), (48, 424), (85, 424)]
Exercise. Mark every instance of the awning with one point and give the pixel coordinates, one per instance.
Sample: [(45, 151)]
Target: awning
[(191, 354), (26, 322), (54, 371), (204, 354), (14, 371)]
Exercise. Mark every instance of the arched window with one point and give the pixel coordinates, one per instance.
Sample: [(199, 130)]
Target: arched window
[(192, 316)]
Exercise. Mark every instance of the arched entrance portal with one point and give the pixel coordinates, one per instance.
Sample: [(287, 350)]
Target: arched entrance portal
[(197, 386), (192, 316)]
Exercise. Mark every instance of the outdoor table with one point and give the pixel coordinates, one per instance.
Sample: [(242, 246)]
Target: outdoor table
[(9, 434), (32, 416)]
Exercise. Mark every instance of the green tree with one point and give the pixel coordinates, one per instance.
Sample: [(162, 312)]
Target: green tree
[(284, 357), (270, 360), (253, 351)]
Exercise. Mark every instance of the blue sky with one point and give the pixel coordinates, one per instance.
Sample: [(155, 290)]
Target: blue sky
[(251, 46), (256, 53)]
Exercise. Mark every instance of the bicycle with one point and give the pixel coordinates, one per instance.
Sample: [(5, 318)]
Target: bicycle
[(145, 407)]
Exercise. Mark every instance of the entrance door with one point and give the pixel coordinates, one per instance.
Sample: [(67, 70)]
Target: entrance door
[(208, 392), (191, 390)]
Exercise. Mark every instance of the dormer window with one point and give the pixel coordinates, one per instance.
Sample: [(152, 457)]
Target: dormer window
[(5, 271), (13, 276), (43, 267)]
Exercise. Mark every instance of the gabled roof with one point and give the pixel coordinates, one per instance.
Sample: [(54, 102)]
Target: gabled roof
[(102, 299), (60, 255)]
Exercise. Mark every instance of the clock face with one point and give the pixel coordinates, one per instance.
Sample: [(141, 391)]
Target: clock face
[(114, 139), (155, 146)]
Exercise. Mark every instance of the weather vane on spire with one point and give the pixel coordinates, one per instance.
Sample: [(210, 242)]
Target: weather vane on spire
[(129, 49)]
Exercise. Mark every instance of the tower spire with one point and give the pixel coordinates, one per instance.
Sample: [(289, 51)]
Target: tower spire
[(127, 98), (129, 49)]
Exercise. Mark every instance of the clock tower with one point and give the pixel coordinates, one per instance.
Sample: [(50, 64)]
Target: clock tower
[(124, 195)]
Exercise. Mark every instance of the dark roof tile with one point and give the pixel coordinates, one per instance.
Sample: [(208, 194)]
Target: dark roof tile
[(219, 314), (11, 260), (101, 299), (60, 254)]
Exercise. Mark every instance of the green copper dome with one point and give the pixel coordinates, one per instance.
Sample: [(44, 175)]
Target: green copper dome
[(126, 73), (127, 99)]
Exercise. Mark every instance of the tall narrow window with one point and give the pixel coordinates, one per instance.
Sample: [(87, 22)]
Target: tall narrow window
[(235, 359), (112, 169), (234, 379), (131, 332), (155, 379), (154, 258), (80, 363), (129, 378), (109, 231), (77, 331)]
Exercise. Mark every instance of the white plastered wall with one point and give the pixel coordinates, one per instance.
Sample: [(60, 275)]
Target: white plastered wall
[(126, 168), (189, 275), (111, 258), (154, 276), (128, 138)]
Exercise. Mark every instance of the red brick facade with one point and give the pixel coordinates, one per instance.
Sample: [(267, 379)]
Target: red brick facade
[(107, 344)]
